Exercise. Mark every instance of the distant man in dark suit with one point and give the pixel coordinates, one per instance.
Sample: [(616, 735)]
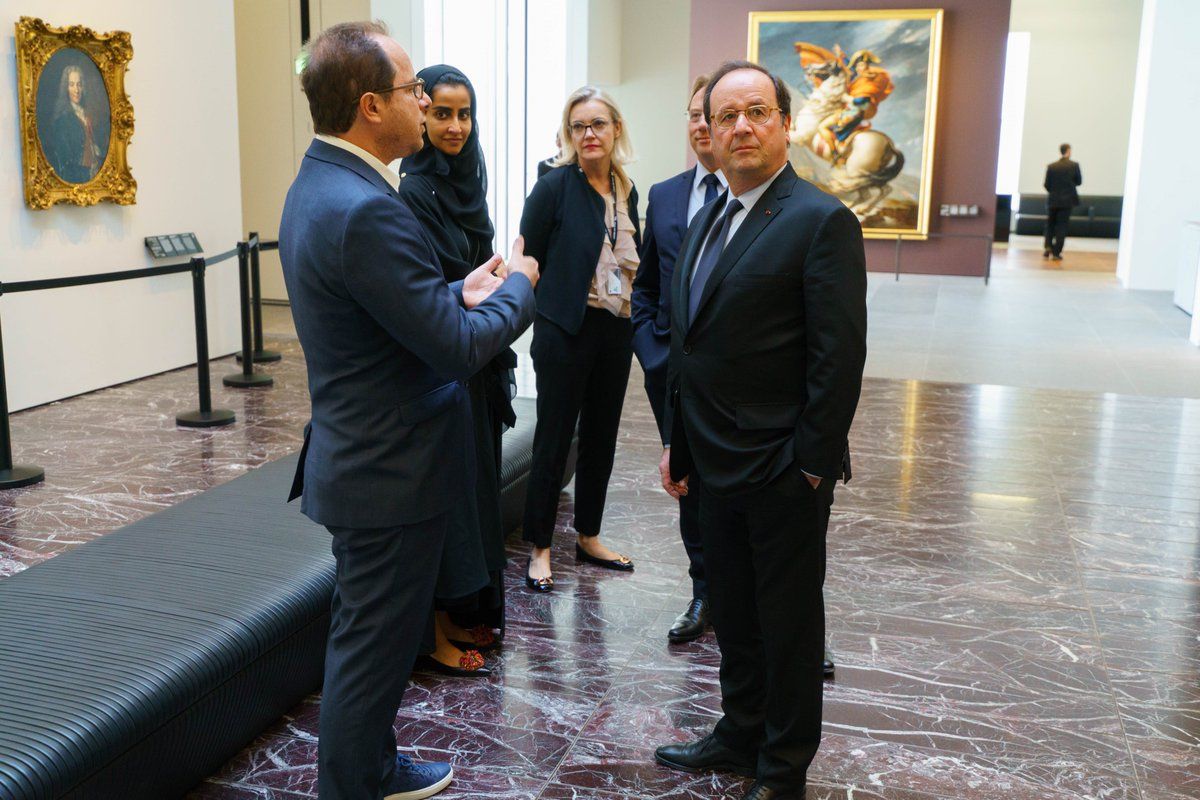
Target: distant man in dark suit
[(388, 346), (1062, 178), (673, 204), (768, 341)]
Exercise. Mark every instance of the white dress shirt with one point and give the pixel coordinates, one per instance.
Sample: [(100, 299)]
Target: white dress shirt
[(748, 198), (696, 198), (391, 176)]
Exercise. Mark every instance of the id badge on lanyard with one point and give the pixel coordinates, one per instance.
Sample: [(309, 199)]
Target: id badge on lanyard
[(613, 283)]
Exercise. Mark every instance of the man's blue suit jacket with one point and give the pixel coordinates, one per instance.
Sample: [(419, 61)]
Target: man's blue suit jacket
[(388, 346), (666, 223)]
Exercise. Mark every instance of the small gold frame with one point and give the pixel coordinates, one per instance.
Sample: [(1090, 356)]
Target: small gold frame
[(99, 175)]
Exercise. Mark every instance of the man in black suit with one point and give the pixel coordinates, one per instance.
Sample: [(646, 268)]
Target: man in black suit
[(1062, 178), (547, 164), (388, 346), (673, 204), (768, 341)]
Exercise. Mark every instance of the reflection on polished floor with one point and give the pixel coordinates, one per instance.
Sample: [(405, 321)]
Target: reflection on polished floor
[(1013, 600), (1031, 328)]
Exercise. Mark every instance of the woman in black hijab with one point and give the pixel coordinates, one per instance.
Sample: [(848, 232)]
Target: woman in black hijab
[(445, 186)]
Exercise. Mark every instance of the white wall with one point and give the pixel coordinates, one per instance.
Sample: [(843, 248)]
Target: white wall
[(651, 61), (184, 156), (276, 127), (606, 40), (1082, 60), (550, 52), (1160, 186)]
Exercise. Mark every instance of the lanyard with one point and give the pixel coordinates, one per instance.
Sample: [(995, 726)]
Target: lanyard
[(612, 233)]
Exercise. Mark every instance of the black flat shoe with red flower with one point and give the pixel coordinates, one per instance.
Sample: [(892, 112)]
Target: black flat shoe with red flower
[(470, 665), (482, 639)]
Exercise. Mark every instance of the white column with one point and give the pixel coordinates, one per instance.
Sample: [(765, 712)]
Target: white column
[(1162, 179), (405, 20)]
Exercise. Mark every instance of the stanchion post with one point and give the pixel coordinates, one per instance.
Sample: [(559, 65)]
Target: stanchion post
[(987, 269), (899, 239), (12, 476), (247, 377), (261, 355), (206, 416)]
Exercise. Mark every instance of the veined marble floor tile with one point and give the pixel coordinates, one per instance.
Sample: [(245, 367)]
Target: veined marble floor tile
[(1012, 594)]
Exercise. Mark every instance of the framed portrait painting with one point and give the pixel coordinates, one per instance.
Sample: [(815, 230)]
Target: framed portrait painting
[(864, 88), (76, 121)]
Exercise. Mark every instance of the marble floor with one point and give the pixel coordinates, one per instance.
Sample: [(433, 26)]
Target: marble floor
[(1037, 328), (1013, 600)]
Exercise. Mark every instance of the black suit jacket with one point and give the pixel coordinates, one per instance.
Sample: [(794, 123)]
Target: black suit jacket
[(563, 226), (1061, 179), (666, 224), (388, 346), (769, 371)]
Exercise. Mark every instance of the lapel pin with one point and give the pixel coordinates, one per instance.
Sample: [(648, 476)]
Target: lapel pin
[(768, 212)]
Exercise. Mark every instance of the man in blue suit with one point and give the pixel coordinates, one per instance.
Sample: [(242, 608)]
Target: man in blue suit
[(672, 205), (388, 347)]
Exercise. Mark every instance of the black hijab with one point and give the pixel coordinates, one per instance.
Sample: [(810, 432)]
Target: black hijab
[(450, 199)]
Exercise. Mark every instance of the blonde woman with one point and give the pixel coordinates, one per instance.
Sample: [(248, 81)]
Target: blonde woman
[(581, 224)]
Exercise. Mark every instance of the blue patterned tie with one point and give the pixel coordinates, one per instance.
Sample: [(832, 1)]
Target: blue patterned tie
[(712, 187), (719, 233)]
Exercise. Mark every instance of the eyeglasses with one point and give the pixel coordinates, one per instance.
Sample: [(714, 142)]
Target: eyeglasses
[(599, 125), (757, 115), (417, 86)]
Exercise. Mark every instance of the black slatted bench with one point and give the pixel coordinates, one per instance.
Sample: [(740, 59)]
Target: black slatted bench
[(137, 664)]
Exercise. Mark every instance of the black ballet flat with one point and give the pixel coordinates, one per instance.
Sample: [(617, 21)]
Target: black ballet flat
[(619, 564), (427, 663), (540, 585)]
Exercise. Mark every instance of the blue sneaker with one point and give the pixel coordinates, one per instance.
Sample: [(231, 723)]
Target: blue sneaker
[(416, 781)]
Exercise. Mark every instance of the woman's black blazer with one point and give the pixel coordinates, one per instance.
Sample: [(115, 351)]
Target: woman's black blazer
[(563, 226)]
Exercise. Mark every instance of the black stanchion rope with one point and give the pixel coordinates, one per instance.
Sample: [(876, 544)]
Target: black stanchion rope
[(14, 287)]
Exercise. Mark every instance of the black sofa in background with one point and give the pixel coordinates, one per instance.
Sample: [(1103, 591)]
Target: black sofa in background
[(1096, 216), (134, 666)]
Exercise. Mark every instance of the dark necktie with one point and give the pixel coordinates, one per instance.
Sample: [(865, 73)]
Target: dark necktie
[(712, 187), (719, 233)]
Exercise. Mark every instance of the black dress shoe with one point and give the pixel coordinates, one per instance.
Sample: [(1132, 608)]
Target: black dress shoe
[(541, 585), (706, 754), (690, 624), (427, 663), (827, 666), (760, 792), (621, 564)]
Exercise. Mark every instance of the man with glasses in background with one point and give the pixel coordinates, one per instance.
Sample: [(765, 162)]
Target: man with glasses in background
[(388, 346), (768, 341)]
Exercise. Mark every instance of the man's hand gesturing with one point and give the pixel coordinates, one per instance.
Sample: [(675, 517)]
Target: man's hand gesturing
[(521, 263), (480, 284)]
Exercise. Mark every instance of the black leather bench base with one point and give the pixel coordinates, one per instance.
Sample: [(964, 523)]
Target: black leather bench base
[(136, 665)]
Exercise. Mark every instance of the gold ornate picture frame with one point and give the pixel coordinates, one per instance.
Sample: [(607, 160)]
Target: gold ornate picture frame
[(864, 86), (76, 121)]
